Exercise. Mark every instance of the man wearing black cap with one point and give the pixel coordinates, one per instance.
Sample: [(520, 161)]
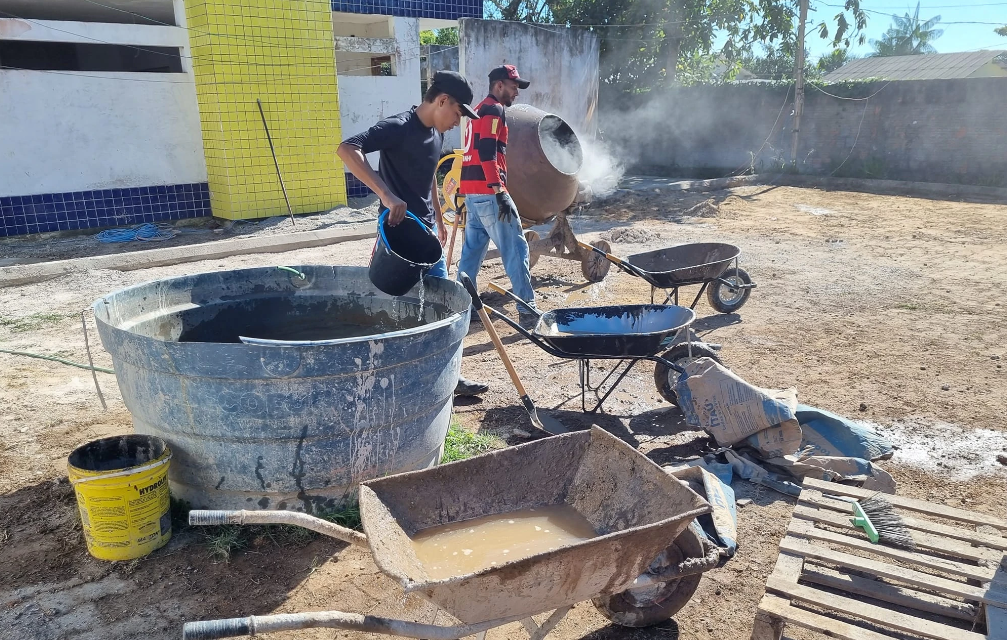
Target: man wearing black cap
[(491, 214), (409, 144)]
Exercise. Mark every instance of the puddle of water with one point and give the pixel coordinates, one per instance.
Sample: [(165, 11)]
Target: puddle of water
[(945, 449)]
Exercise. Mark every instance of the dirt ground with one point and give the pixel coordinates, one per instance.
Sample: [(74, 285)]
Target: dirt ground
[(886, 309)]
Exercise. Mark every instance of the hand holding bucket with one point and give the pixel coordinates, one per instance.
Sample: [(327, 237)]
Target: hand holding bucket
[(402, 254)]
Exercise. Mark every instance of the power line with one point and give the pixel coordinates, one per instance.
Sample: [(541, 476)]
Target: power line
[(832, 95), (947, 6), (893, 15)]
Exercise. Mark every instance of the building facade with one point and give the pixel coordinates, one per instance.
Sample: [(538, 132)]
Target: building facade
[(124, 112)]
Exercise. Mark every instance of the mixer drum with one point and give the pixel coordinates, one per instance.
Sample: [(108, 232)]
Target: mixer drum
[(543, 159)]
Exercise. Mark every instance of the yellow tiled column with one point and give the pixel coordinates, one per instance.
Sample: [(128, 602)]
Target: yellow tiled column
[(281, 52)]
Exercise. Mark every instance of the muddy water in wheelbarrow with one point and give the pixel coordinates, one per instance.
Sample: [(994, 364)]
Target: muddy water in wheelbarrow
[(635, 509)]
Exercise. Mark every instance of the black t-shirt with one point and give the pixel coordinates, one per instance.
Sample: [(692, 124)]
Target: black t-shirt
[(409, 154)]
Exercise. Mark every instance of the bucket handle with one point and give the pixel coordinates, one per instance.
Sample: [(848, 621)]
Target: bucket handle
[(381, 225), (124, 472)]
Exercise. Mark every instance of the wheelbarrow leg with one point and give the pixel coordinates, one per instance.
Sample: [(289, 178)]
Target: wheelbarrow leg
[(615, 384), (698, 295), (536, 632)]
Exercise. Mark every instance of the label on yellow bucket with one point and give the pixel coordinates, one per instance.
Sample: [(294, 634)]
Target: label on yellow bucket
[(125, 513)]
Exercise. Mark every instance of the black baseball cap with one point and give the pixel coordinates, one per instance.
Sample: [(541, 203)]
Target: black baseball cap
[(508, 72), (455, 85)]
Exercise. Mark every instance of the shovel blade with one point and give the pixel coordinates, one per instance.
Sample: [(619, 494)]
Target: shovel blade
[(545, 422)]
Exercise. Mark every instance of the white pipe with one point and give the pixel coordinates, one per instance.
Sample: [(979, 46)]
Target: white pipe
[(324, 527), (254, 625)]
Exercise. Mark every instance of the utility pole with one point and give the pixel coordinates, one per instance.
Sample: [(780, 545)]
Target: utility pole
[(799, 81)]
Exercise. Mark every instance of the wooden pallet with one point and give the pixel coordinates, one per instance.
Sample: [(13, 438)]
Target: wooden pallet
[(829, 578)]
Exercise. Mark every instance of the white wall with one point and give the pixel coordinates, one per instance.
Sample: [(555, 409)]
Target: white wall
[(363, 100), (562, 65), (74, 132)]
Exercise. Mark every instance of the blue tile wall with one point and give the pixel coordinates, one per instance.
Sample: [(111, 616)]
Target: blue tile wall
[(441, 9), (102, 208), (355, 188)]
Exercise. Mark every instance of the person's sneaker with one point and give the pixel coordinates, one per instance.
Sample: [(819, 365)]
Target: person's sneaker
[(470, 387)]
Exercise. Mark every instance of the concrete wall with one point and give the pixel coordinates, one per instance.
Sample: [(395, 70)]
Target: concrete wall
[(925, 130), (562, 65), (363, 100)]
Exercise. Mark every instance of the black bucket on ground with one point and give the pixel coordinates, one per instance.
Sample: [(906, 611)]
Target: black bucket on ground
[(402, 254)]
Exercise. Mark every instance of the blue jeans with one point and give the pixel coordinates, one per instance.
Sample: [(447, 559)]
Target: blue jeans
[(481, 226), (440, 269)]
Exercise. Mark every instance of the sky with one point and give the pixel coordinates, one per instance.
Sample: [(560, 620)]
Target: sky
[(957, 37)]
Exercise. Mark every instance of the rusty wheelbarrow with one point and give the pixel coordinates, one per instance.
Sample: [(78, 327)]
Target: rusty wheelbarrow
[(641, 568)]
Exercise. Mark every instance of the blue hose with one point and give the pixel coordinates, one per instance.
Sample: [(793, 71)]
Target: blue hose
[(145, 232)]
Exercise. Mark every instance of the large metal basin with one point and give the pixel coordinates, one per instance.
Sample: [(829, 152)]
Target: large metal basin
[(636, 508), (289, 425)]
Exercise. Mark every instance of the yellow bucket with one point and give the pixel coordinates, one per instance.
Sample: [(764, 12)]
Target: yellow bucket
[(122, 494)]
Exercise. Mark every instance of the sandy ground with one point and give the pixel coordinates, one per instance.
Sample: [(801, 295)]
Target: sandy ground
[(887, 309)]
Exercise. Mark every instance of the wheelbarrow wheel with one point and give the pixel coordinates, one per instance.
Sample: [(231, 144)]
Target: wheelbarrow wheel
[(665, 378), (595, 266), (530, 237), (726, 299), (648, 606)]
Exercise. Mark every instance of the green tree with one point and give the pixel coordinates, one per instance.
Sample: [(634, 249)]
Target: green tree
[(908, 36), (832, 61), (447, 36), (646, 43), (777, 63), (1002, 30)]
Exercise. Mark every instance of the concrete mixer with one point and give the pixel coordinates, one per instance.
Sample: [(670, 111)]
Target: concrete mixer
[(544, 157)]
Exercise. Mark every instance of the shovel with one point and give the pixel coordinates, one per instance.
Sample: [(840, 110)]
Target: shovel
[(548, 424)]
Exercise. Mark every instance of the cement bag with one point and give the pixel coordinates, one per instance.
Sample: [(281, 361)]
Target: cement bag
[(828, 434), (839, 469), (731, 410), (720, 526)]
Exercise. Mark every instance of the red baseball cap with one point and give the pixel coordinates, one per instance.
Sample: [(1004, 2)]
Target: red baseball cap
[(508, 72)]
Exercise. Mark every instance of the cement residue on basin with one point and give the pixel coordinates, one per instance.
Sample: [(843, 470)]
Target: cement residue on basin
[(945, 449), (340, 382)]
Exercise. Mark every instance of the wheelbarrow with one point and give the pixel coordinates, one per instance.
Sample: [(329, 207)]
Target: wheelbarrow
[(626, 333), (707, 263), (640, 569)]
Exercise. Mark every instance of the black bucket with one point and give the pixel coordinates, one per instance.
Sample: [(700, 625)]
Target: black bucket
[(402, 254)]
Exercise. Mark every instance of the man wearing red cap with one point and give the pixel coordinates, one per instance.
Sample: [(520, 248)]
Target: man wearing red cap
[(491, 214)]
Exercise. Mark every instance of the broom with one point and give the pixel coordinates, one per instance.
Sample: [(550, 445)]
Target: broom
[(878, 519)]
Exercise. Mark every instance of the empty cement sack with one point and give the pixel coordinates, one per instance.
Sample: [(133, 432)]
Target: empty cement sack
[(731, 410)]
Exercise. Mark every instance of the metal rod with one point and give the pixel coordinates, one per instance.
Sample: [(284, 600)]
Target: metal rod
[(698, 295), (277, 164), (615, 384)]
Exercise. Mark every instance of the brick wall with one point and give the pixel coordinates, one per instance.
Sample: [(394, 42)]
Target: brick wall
[(926, 130)]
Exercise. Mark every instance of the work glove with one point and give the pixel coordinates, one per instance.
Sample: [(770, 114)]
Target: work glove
[(507, 210)]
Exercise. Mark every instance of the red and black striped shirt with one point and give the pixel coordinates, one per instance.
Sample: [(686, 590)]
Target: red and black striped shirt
[(485, 149)]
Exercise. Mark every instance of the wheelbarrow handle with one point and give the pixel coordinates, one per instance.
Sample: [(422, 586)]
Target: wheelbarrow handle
[(616, 260), (495, 287)]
